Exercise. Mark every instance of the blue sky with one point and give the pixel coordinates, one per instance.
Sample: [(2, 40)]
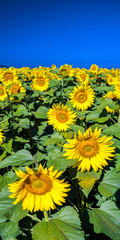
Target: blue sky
[(82, 33)]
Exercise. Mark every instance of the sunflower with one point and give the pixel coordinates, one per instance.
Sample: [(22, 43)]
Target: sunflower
[(82, 97), (90, 150), (60, 116), (110, 80), (3, 93), (94, 68), (83, 78), (8, 75), (40, 83), (14, 87), (39, 190)]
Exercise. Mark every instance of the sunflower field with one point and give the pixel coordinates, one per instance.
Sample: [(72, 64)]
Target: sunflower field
[(59, 153)]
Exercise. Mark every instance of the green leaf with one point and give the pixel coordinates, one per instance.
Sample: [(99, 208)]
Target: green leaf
[(8, 230), (4, 123), (87, 180), (17, 158), (104, 88), (55, 158), (56, 138), (106, 219), (93, 115), (110, 183), (8, 146), (38, 157), (42, 128), (76, 128), (20, 139), (18, 213), (113, 130), (104, 103), (53, 83), (102, 119), (41, 112), (65, 226), (5, 179), (21, 110), (3, 155), (24, 123), (113, 106)]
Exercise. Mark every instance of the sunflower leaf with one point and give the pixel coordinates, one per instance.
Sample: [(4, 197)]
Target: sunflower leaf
[(113, 130), (110, 183), (93, 115), (87, 180), (8, 230), (41, 112), (20, 157), (105, 219), (76, 128), (64, 225)]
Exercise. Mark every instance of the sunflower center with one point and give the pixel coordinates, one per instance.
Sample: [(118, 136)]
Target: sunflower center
[(41, 81), (88, 148), (81, 97), (38, 184), (62, 117), (1, 92)]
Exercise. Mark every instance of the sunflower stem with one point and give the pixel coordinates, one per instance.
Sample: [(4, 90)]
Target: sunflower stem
[(45, 215), (34, 218)]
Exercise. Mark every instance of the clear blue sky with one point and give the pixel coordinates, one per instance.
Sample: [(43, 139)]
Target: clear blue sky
[(78, 32)]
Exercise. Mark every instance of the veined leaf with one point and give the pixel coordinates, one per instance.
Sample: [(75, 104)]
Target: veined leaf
[(93, 115), (65, 226), (110, 183), (17, 158), (87, 180), (9, 229), (106, 219), (41, 112), (113, 130)]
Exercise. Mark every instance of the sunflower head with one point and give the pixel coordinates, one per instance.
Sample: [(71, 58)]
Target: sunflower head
[(110, 80), (90, 150), (94, 68), (40, 83), (14, 87), (39, 190), (83, 78), (60, 116), (82, 97)]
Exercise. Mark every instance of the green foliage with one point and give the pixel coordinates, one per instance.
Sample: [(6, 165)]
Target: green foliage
[(106, 219), (87, 180), (61, 226), (110, 183), (20, 157)]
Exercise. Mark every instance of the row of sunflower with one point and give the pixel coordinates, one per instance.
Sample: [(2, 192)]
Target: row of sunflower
[(59, 136)]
